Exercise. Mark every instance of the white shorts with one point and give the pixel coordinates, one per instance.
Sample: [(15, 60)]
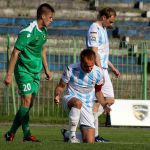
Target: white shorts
[(107, 88), (86, 115)]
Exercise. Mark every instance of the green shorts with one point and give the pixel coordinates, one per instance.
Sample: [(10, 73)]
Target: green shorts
[(28, 83)]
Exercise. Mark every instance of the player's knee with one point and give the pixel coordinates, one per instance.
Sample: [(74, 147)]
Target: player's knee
[(26, 100), (110, 101), (88, 140), (75, 103), (78, 104), (113, 101)]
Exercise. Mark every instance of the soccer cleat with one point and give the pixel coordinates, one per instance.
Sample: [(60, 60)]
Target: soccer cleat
[(63, 131), (73, 139), (9, 136), (100, 139), (31, 139)]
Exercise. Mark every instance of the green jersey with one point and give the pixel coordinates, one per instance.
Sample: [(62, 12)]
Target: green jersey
[(30, 42)]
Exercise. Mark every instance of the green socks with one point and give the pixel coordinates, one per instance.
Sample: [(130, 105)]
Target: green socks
[(25, 125), (19, 119)]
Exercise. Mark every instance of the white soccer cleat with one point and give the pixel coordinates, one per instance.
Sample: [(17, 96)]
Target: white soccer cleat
[(73, 139)]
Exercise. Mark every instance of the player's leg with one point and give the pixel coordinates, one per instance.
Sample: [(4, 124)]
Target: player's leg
[(23, 80), (110, 101), (25, 85), (97, 111), (87, 126), (73, 106), (95, 114), (23, 110), (25, 125), (74, 115), (108, 93), (87, 134), (25, 122)]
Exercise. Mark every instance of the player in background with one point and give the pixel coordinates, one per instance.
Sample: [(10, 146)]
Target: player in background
[(97, 40), (27, 60), (83, 81)]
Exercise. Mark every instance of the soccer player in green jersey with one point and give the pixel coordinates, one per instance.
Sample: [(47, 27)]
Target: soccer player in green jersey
[(27, 59)]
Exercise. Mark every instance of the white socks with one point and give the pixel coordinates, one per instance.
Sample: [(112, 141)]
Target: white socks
[(74, 116), (95, 114)]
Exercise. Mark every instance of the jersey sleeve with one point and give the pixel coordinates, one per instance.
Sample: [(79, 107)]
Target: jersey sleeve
[(66, 74), (92, 38), (23, 40), (100, 77)]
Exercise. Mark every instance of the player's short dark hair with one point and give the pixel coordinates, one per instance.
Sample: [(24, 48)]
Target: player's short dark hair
[(44, 8), (88, 53), (108, 12)]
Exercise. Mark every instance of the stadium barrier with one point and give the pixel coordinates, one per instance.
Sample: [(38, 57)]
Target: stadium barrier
[(129, 58)]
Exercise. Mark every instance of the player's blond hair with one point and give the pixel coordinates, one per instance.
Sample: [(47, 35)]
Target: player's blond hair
[(108, 12), (88, 53)]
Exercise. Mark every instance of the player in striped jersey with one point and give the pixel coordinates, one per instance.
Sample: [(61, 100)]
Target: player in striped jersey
[(97, 40), (83, 80)]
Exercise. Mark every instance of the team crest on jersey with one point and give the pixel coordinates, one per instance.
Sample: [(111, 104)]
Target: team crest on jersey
[(93, 36), (44, 36), (140, 111), (28, 35)]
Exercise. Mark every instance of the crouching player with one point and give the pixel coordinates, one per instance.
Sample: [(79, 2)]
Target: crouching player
[(83, 81)]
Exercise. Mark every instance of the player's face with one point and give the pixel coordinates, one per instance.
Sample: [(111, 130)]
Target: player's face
[(108, 22), (47, 18), (87, 65)]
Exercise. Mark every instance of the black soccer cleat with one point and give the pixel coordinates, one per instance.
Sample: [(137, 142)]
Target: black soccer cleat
[(101, 139), (66, 139)]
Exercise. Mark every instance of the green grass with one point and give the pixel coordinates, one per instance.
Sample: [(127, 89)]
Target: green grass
[(121, 139)]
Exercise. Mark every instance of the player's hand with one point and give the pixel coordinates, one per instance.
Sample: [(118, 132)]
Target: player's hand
[(103, 81), (107, 109), (57, 99), (116, 72), (48, 75), (8, 80)]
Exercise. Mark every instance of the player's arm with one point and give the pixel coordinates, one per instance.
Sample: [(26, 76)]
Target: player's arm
[(45, 64), (114, 70), (101, 99), (12, 63), (97, 61), (59, 90)]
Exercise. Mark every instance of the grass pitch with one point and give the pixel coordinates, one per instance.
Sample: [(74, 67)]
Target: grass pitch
[(121, 139)]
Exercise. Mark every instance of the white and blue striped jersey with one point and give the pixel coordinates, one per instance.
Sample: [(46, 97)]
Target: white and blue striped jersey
[(80, 84), (97, 37)]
